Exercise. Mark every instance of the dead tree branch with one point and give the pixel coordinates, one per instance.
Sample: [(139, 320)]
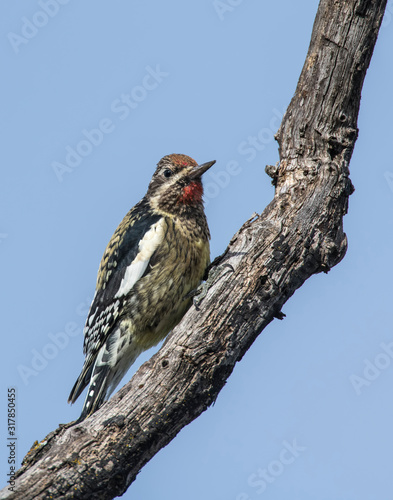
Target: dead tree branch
[(300, 233)]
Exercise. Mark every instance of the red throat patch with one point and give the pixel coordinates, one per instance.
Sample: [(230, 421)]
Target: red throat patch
[(192, 193)]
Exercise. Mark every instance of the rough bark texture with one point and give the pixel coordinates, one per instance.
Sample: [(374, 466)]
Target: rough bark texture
[(300, 233)]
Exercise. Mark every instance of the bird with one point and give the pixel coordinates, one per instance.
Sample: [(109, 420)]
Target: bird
[(152, 264)]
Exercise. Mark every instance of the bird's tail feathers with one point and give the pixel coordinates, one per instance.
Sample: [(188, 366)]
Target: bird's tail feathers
[(105, 372), (97, 391), (82, 381)]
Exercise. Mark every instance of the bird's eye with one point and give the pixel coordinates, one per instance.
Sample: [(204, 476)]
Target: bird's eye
[(167, 172)]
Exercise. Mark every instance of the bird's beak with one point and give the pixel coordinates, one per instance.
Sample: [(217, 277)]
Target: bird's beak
[(199, 170)]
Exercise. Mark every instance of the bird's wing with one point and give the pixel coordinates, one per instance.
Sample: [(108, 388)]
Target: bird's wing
[(124, 262)]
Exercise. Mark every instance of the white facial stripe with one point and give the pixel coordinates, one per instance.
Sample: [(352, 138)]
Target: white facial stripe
[(147, 246), (167, 185)]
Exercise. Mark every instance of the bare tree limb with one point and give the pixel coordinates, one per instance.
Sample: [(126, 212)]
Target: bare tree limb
[(300, 233)]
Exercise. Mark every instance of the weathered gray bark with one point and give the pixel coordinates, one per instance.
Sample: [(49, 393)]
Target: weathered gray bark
[(300, 233)]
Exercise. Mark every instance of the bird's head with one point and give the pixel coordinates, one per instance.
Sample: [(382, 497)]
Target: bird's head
[(177, 182)]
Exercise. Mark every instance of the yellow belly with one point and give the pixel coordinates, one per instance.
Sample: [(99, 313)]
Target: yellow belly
[(160, 299)]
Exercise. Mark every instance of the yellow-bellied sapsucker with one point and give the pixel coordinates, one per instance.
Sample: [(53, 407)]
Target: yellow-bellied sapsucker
[(155, 258)]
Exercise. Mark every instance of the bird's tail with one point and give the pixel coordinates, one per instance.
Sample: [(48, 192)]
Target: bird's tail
[(97, 374), (97, 391), (105, 372), (82, 381)]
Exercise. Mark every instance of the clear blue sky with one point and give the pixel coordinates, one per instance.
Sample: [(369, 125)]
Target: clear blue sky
[(307, 414)]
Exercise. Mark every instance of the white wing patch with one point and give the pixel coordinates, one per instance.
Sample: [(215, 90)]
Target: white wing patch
[(147, 246)]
